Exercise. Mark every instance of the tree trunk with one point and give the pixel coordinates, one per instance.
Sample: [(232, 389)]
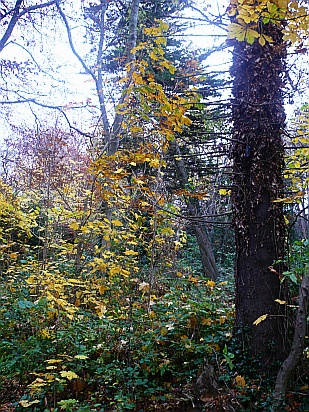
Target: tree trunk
[(257, 152), (205, 248), (131, 43), (292, 360), (200, 231)]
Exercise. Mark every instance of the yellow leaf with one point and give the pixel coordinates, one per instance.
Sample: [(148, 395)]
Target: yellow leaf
[(154, 163), (193, 279), (26, 404), (282, 4), (117, 222), (262, 41), (136, 129), (291, 36), (81, 357), (74, 280), (69, 375), (241, 31), (74, 225), (49, 377), (38, 383), (206, 321), (101, 310), (260, 319), (118, 171), (125, 272), (236, 31), (13, 255), (144, 287), (53, 360), (129, 252), (114, 270), (240, 381), (153, 56), (222, 320), (102, 289), (281, 302), (164, 331), (211, 283), (251, 35)]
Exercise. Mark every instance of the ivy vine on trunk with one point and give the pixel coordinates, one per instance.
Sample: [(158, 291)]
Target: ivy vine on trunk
[(257, 153)]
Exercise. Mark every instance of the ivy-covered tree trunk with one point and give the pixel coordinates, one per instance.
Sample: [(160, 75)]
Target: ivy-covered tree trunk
[(257, 152)]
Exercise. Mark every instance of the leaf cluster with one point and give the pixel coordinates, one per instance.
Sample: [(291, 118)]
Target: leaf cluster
[(249, 17)]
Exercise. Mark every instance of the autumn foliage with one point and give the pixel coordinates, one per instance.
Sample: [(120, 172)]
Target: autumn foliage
[(105, 305)]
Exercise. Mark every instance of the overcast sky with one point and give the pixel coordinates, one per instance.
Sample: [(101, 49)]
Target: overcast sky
[(64, 82)]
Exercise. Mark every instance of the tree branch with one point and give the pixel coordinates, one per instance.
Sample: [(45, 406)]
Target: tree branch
[(96, 79), (17, 15), (11, 25), (47, 106)]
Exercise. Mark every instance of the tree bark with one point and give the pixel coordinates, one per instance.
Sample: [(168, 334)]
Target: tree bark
[(292, 360), (257, 152), (200, 231), (132, 39)]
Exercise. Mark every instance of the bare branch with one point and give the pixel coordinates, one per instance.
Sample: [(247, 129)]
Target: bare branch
[(96, 79), (47, 106), (11, 25), (17, 14), (33, 59)]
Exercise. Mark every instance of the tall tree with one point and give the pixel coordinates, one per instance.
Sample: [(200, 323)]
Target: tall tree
[(258, 70), (136, 16), (258, 118)]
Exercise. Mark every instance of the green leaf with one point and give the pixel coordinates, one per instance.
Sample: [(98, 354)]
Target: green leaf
[(251, 35), (25, 304), (293, 278)]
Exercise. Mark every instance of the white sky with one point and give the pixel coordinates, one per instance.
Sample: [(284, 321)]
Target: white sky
[(66, 84)]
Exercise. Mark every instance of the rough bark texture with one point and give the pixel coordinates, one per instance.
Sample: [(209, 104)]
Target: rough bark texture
[(292, 360), (200, 231), (257, 152)]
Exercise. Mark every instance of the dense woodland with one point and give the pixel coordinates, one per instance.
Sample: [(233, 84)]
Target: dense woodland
[(154, 219)]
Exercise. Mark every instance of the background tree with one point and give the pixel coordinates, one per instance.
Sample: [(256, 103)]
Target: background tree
[(113, 53)]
